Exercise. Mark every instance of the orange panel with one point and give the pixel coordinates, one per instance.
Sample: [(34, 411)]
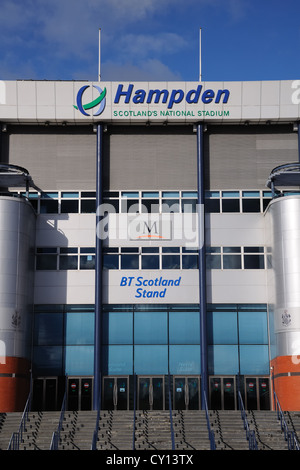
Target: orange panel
[(287, 385), (14, 384)]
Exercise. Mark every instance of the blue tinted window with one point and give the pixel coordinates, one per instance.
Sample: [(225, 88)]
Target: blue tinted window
[(253, 328), (150, 328), (222, 327), (185, 359), (117, 328), (79, 360), (47, 360), (223, 359), (254, 359), (151, 359), (117, 360), (48, 329), (184, 328), (79, 328)]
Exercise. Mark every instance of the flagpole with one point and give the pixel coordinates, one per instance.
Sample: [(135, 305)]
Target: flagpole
[(99, 57), (200, 59)]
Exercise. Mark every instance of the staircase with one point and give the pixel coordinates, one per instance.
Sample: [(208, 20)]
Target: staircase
[(152, 430), (268, 431)]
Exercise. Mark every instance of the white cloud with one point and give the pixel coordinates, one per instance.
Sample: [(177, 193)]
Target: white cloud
[(147, 70)]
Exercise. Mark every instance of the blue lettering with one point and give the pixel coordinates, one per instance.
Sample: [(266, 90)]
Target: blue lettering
[(158, 94), (176, 97), (120, 93), (138, 293), (208, 96), (226, 94), (139, 96), (196, 94), (139, 281)]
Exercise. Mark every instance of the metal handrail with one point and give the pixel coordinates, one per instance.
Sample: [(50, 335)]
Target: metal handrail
[(211, 434), (134, 412), (250, 434), (289, 436), (16, 437), (171, 417), (56, 434)]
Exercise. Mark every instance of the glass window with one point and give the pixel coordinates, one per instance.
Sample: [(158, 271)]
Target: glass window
[(48, 206), (222, 327), (48, 360), (150, 262), (46, 262), (130, 205), (110, 261), (48, 329), (87, 262), (184, 328), (151, 359), (232, 262), (189, 205), (68, 262), (189, 262), (230, 205), (79, 328), (213, 261), (117, 328), (88, 206), (254, 360), (129, 261), (170, 205), (254, 262), (212, 205), (253, 328), (251, 205), (117, 360), (150, 206), (185, 359), (192, 194), (223, 359), (69, 206), (171, 262), (150, 328), (79, 360)]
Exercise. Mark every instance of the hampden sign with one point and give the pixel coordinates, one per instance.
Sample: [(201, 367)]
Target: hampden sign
[(130, 101)]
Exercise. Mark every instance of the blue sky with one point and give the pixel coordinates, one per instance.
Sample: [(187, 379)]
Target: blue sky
[(150, 39)]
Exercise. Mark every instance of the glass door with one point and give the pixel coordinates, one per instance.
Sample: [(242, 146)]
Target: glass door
[(186, 393), (151, 393), (222, 393), (45, 394), (80, 392), (115, 393), (257, 395)]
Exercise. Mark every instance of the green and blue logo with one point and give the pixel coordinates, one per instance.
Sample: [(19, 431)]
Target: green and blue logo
[(99, 101)]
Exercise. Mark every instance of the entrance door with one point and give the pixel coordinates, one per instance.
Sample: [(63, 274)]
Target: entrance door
[(222, 393), (45, 394), (151, 393), (186, 393), (79, 393), (257, 396), (115, 393)]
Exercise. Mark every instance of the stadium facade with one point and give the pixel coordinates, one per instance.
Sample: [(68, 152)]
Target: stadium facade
[(149, 241)]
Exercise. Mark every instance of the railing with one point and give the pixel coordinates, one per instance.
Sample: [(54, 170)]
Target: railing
[(171, 416), (289, 436), (250, 434), (56, 434), (211, 434), (16, 438), (134, 412)]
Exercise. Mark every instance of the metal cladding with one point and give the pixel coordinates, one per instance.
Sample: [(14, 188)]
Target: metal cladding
[(284, 275), (17, 236)]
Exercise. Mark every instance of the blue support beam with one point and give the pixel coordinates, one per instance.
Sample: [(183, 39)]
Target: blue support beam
[(98, 275), (202, 264)]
